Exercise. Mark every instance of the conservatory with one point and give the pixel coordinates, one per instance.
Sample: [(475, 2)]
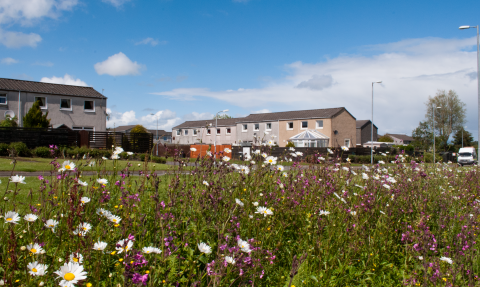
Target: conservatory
[(310, 138)]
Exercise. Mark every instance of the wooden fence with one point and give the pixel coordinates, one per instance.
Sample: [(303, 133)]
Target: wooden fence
[(138, 143), (34, 137)]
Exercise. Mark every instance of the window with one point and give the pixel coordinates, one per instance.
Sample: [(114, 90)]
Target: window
[(88, 129), (43, 102), (320, 124), (185, 132), (89, 106), (268, 126), (244, 128), (290, 126), (195, 131), (347, 143), (218, 131), (3, 99), (66, 104), (179, 132), (304, 124), (229, 131), (257, 127), (209, 132)]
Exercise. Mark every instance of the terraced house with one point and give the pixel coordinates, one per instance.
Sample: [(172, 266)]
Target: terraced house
[(79, 108), (204, 131)]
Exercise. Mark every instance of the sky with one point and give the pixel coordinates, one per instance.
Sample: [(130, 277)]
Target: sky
[(187, 59)]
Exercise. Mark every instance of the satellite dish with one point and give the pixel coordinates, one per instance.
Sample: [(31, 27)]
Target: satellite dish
[(9, 113)]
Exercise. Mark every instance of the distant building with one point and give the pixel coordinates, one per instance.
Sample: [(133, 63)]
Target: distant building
[(364, 131), (78, 108), (195, 132), (400, 139), (163, 136)]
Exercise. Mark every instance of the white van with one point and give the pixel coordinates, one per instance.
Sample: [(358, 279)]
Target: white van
[(467, 155)]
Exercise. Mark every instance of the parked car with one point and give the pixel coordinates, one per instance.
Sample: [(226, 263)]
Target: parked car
[(467, 155)]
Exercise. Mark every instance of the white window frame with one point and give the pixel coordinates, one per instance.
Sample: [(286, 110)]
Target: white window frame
[(289, 129), (209, 132), (179, 132), (46, 102), (219, 131), (349, 142), (65, 109), (226, 131), (268, 128), (6, 100), (185, 132), (301, 125), (255, 127), (89, 111), (244, 130), (319, 127), (195, 132)]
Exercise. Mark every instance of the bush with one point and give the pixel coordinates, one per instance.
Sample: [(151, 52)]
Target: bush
[(21, 149), (142, 157), (290, 144), (3, 149), (42, 151), (158, 159)]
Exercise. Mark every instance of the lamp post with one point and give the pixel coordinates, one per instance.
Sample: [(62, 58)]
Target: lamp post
[(433, 109), (478, 77), (156, 136), (215, 140), (371, 132)]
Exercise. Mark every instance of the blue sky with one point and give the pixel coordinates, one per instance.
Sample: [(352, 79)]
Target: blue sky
[(186, 60)]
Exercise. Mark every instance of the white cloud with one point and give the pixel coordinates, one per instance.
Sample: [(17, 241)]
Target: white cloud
[(116, 3), (194, 116), (411, 71), (118, 65), (9, 61), (151, 41), (66, 80), (262, 111), (26, 12), (18, 39)]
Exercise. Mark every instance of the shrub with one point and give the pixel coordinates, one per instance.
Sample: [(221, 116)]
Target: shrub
[(21, 149), (158, 159), (3, 149), (290, 144), (142, 157), (42, 151)]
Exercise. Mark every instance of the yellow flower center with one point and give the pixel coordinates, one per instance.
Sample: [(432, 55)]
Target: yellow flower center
[(265, 212), (270, 160), (83, 201), (51, 225), (74, 259), (33, 250), (9, 219), (85, 228), (69, 276), (67, 166), (34, 270), (147, 252), (114, 220)]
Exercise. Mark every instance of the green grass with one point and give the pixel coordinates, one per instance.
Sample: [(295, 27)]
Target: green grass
[(43, 164)]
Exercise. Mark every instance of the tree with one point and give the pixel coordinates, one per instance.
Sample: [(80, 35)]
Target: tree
[(449, 117), (221, 117), (35, 118), (385, 139), (139, 129), (423, 136), (467, 138), (9, 122)]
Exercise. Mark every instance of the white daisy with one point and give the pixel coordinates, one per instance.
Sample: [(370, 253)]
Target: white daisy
[(35, 248), (114, 219), (122, 246), (30, 217), (227, 150), (264, 155), (51, 223), (329, 151), (256, 151), (446, 259), (324, 212), (280, 167), (103, 212), (12, 217), (70, 274), (68, 165), (193, 149), (225, 158), (299, 153), (37, 269), (255, 203), (129, 153), (321, 158), (344, 148), (102, 181), (82, 183), (271, 160), (244, 245), (263, 210), (76, 257), (204, 248), (62, 169), (239, 202), (230, 260), (82, 229), (100, 246), (118, 150), (17, 179), (364, 176), (104, 158), (115, 156), (150, 250), (84, 200), (205, 183)]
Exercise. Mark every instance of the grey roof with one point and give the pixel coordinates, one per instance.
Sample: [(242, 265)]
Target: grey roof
[(362, 123), (310, 135), (203, 123), (400, 136), (293, 115), (123, 128), (47, 88), (160, 132)]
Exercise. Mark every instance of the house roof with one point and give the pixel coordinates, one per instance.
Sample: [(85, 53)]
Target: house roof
[(160, 132), (400, 136), (47, 88), (293, 115), (310, 135), (203, 123), (124, 128), (362, 123)]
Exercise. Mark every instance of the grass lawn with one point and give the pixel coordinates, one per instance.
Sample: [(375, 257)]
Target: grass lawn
[(43, 164)]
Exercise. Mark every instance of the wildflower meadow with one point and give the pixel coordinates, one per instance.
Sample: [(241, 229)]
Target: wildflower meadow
[(255, 223)]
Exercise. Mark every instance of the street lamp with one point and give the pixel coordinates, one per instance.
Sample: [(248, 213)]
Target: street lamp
[(478, 78), (215, 140), (434, 134), (371, 132), (156, 146)]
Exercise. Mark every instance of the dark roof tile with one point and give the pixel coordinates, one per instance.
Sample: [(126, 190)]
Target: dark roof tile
[(47, 88), (292, 115)]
